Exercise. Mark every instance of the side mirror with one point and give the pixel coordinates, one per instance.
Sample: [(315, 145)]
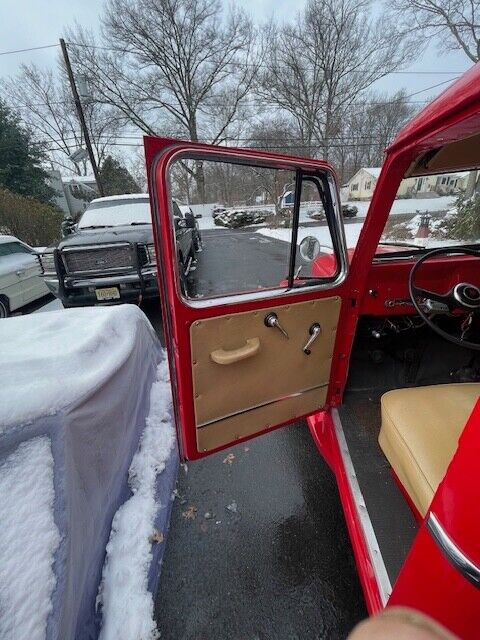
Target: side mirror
[(68, 226), (197, 216), (309, 248)]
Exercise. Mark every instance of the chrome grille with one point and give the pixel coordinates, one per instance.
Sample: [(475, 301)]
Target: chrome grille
[(99, 259)]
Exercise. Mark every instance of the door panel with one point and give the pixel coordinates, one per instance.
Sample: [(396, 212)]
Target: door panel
[(275, 384), (234, 377)]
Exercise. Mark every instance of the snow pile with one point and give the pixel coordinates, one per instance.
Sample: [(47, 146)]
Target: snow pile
[(127, 605), (28, 540), (74, 352)]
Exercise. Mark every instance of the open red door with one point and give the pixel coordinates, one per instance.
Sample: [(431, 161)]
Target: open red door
[(250, 333)]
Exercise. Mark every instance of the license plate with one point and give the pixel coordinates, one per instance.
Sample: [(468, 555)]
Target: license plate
[(108, 293)]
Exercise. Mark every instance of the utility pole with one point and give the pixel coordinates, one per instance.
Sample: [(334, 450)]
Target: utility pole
[(81, 116)]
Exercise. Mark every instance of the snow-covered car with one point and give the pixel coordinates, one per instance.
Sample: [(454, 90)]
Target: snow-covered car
[(20, 275), (109, 256)]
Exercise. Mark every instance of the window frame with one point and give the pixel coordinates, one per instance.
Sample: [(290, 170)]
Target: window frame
[(334, 221)]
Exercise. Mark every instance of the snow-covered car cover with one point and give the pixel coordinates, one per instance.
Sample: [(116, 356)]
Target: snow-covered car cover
[(78, 388)]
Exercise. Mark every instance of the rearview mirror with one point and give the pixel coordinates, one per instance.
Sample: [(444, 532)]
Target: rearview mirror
[(309, 248)]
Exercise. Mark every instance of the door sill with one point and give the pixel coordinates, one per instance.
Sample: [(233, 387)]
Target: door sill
[(327, 431)]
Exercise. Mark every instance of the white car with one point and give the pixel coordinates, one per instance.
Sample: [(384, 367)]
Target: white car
[(20, 275)]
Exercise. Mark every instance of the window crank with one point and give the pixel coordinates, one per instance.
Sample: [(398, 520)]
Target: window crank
[(314, 331), (271, 320)]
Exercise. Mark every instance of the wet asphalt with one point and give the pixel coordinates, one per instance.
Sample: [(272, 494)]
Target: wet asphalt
[(258, 547)]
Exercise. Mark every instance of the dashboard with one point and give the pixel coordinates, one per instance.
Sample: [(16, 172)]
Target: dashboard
[(387, 289)]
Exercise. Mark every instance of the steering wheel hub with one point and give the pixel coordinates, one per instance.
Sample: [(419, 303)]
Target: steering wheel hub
[(467, 295), (463, 297)]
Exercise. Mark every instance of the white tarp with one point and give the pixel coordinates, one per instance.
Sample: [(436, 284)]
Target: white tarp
[(78, 382)]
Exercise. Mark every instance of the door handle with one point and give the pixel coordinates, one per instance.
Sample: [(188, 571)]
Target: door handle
[(314, 331), (222, 356)]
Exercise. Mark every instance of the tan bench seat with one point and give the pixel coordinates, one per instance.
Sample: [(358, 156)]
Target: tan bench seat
[(420, 431)]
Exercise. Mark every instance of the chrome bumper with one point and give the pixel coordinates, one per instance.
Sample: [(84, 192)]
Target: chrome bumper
[(103, 281)]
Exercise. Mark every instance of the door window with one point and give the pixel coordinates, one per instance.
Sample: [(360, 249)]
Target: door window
[(252, 225), (9, 248)]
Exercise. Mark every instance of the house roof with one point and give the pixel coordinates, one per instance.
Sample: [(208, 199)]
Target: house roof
[(373, 171)]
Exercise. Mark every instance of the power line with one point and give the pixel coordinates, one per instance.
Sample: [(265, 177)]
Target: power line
[(246, 64), (45, 46)]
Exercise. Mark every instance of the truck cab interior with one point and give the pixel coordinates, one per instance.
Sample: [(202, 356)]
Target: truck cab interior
[(376, 346)]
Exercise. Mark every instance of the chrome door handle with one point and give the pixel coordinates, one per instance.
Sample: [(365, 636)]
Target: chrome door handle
[(271, 320), (314, 331)]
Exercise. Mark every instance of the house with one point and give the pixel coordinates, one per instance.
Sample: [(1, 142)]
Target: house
[(362, 184), (73, 193)]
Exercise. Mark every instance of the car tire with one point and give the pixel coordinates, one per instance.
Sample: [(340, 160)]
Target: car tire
[(4, 307)]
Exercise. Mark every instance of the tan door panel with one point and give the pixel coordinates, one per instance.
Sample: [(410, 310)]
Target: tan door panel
[(257, 377)]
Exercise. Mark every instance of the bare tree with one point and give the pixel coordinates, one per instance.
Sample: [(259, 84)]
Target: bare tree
[(44, 101), (180, 67), (455, 23), (368, 129), (319, 66)]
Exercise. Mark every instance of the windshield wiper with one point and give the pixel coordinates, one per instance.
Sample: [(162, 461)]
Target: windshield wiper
[(135, 223), (403, 244), (97, 226)]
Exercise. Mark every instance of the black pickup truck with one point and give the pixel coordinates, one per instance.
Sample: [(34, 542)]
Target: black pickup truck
[(109, 256)]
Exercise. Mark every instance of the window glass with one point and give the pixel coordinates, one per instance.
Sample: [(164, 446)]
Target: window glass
[(116, 212), (10, 248), (16, 247), (239, 237), (434, 211)]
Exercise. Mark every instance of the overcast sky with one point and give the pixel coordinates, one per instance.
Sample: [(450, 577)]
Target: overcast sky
[(30, 23)]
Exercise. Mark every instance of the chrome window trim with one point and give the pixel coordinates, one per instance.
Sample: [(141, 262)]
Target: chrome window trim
[(376, 558), (267, 293), (469, 570)]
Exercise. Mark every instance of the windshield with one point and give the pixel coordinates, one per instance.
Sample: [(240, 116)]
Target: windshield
[(113, 213), (434, 211)]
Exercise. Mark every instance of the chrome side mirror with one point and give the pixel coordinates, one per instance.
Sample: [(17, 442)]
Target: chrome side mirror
[(309, 248)]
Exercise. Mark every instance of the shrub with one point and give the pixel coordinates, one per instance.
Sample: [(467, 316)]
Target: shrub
[(465, 225), (34, 222)]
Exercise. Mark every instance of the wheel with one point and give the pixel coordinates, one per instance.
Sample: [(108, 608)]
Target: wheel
[(4, 308)]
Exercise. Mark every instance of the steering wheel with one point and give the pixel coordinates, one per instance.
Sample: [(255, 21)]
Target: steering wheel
[(462, 297)]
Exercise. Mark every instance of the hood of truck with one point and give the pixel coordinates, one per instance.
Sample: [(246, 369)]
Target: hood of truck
[(127, 233)]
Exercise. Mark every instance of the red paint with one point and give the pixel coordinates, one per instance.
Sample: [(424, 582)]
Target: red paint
[(416, 513), (428, 581)]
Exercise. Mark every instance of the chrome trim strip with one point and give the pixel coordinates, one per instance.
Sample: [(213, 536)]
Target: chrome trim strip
[(90, 247), (261, 405), (451, 551), (106, 280), (376, 558)]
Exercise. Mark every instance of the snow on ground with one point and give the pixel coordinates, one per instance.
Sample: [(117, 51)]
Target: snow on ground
[(408, 205), (76, 350), (127, 605), (352, 231), (28, 540)]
